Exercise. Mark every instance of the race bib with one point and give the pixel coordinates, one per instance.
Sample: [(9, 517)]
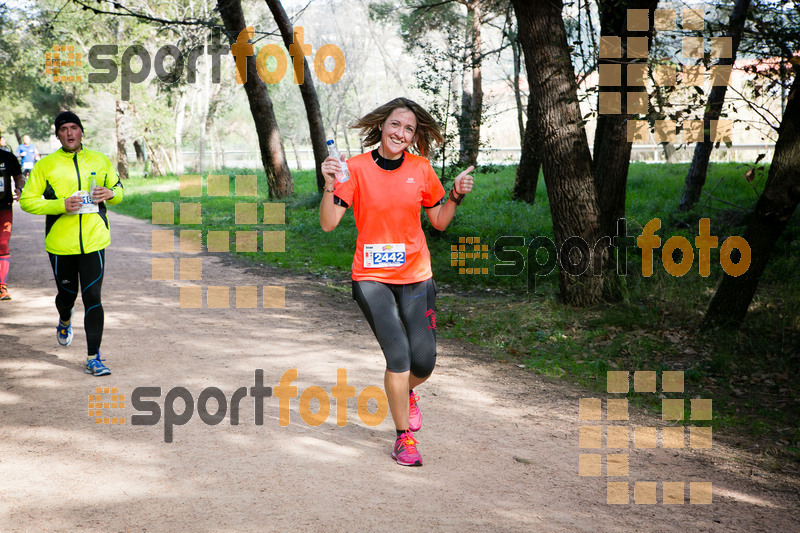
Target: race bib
[(27, 165), (87, 206), (384, 255)]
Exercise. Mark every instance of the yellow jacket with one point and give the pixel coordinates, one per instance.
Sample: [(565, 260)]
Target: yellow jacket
[(56, 177)]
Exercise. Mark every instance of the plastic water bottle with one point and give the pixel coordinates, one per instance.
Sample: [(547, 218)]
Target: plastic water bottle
[(92, 185), (335, 153)]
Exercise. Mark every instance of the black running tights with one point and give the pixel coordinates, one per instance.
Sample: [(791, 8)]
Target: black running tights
[(403, 318), (88, 269)]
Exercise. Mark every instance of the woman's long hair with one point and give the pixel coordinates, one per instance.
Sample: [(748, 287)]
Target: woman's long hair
[(427, 133)]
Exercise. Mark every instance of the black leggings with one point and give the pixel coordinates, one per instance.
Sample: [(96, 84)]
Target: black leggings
[(403, 318), (68, 269)]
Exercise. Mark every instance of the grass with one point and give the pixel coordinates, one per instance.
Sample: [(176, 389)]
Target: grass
[(749, 373)]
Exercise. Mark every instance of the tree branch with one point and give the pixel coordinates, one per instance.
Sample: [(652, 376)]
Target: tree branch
[(130, 13), (756, 109), (208, 23), (428, 7)]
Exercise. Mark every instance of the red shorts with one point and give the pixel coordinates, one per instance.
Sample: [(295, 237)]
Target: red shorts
[(6, 215)]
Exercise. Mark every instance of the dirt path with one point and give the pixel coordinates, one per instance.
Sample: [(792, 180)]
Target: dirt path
[(500, 445)]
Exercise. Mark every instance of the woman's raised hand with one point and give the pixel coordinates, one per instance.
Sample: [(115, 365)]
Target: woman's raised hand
[(463, 182)]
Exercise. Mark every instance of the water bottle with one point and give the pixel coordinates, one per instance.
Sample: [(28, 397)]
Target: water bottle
[(92, 185), (335, 153)]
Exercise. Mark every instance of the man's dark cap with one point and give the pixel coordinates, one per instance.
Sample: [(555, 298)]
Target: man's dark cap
[(66, 117)]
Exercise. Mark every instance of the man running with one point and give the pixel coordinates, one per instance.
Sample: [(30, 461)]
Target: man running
[(71, 186), (28, 155), (9, 168)]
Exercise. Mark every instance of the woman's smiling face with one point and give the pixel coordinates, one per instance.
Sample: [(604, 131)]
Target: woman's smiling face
[(397, 133)]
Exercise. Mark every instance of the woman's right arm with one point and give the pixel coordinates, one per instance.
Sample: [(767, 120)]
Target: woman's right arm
[(329, 213)]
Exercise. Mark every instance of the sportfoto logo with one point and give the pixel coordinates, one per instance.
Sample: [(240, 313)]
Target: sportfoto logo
[(143, 401), (102, 57), (576, 256), (615, 449), (246, 213)]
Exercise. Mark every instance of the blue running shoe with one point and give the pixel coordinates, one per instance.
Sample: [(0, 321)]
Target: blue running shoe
[(96, 367), (64, 332)]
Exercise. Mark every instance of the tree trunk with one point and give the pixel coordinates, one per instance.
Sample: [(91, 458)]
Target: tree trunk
[(517, 51), (670, 154), (612, 151), (120, 124), (474, 105), (139, 149), (273, 157), (528, 170), (347, 146), (222, 163), (772, 212), (122, 154), (217, 161), (166, 164), (476, 110), (200, 158), (307, 91), (205, 104), (296, 154), (180, 115), (696, 177), (211, 115), (466, 103), (209, 101), (565, 153), (155, 160)]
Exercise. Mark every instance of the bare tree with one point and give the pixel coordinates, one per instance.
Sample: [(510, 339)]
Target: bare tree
[(273, 157), (612, 149), (121, 130), (527, 177), (307, 91), (773, 210), (138, 146), (696, 177), (180, 117), (472, 100), (566, 160)]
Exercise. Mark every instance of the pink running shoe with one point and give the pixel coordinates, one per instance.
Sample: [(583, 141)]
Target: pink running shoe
[(414, 415), (405, 450)]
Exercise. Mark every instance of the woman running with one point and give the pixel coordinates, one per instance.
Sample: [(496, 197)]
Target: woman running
[(392, 276)]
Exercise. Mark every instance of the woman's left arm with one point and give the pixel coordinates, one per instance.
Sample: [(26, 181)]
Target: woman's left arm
[(441, 215)]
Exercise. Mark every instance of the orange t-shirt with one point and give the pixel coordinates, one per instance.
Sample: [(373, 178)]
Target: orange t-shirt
[(391, 245)]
